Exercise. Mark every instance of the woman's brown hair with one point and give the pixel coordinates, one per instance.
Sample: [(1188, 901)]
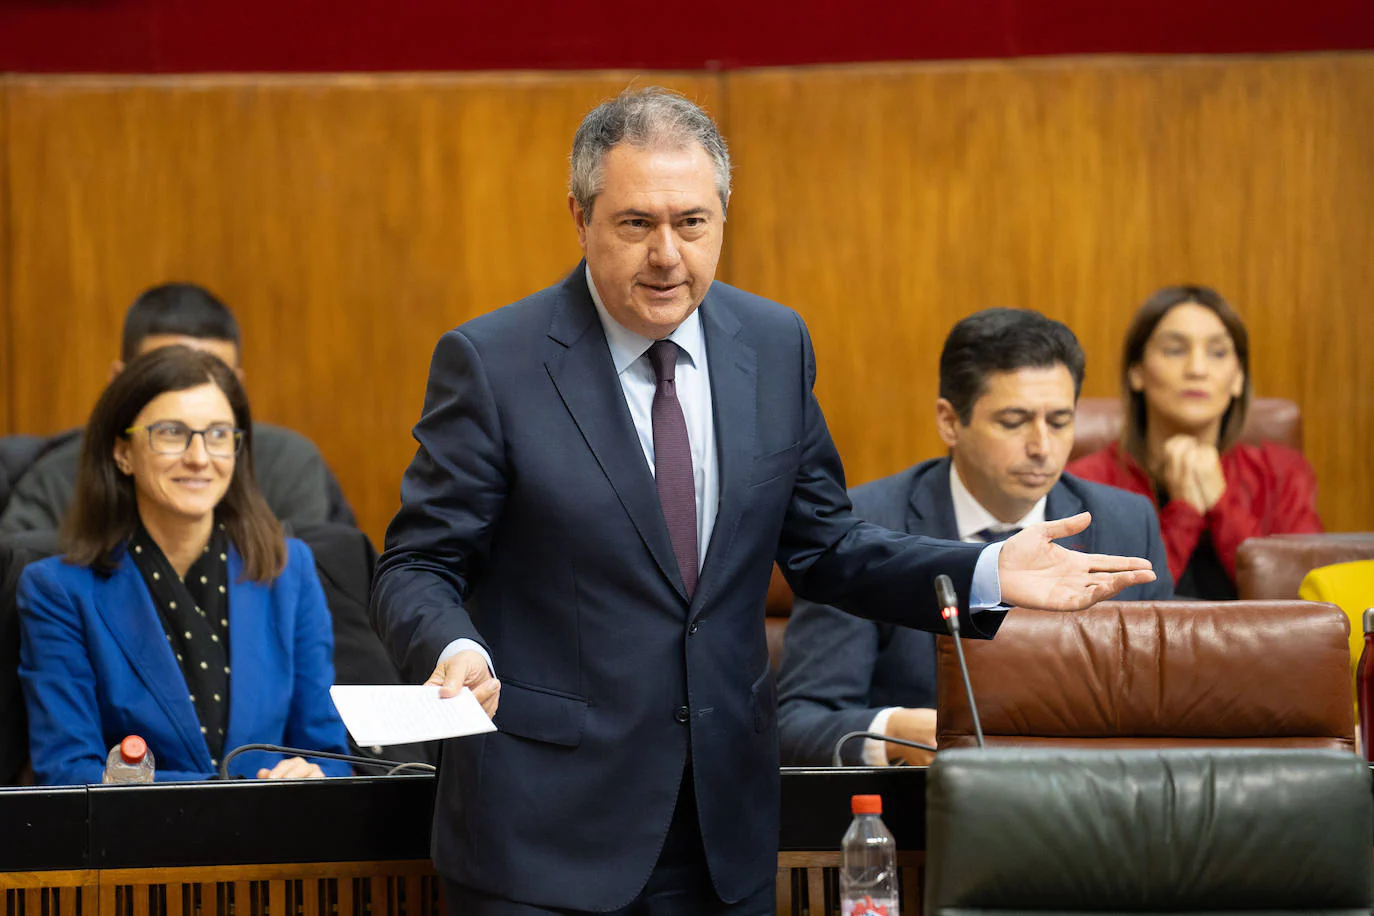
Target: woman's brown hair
[(104, 511), (1146, 319)]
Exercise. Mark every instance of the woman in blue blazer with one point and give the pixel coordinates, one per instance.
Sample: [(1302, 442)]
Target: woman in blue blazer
[(179, 612)]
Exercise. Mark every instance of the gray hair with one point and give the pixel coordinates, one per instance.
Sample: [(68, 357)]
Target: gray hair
[(646, 117)]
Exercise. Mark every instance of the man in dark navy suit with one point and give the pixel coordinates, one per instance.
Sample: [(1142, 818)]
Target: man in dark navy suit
[(606, 472), (1009, 384)]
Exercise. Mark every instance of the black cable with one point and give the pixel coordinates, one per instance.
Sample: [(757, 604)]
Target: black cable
[(411, 765), (390, 765), (835, 759)]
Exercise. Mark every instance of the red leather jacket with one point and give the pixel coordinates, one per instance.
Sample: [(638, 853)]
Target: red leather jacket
[(1270, 489)]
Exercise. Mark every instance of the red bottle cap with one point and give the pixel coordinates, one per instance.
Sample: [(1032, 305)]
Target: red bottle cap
[(866, 804), (133, 749)]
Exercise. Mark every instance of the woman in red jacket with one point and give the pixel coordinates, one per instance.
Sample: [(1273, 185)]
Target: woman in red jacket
[(1185, 377)]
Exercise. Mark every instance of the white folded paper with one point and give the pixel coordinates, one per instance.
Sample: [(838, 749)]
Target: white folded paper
[(405, 714)]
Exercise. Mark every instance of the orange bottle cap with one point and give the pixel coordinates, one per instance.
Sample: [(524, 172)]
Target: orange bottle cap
[(866, 804), (133, 749)]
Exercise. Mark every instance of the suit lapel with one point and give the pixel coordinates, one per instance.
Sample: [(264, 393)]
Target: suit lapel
[(251, 648), (734, 397), (127, 608), (1062, 503), (586, 381), (930, 510)]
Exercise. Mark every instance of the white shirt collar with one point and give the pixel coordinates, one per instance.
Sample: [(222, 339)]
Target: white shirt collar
[(627, 346), (970, 517)]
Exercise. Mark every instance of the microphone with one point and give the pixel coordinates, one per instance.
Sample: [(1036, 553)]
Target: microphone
[(949, 609), (391, 766), (835, 760)]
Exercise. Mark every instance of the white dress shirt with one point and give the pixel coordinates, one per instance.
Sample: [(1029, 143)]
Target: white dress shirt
[(970, 517)]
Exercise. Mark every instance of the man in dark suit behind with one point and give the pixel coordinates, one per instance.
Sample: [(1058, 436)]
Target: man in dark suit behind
[(299, 487), (1009, 383), (606, 472)]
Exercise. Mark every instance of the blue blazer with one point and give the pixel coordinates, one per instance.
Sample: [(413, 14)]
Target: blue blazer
[(95, 667), (839, 671), (530, 522)]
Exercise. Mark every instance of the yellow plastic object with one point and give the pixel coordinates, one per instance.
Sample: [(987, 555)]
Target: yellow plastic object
[(1349, 586)]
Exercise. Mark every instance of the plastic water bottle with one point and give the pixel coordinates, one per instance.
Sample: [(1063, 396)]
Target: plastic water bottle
[(868, 871), (1364, 685), (129, 761)]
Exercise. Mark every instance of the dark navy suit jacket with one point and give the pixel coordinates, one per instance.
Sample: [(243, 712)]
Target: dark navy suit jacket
[(95, 667), (530, 523), (839, 671)]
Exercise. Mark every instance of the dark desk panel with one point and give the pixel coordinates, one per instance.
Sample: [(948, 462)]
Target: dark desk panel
[(380, 819), (816, 813), (43, 829), (339, 820), (252, 822)]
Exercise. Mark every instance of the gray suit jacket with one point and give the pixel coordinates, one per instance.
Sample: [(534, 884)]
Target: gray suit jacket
[(839, 671)]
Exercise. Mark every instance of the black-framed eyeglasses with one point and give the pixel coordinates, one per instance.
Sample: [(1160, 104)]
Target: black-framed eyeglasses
[(173, 438)]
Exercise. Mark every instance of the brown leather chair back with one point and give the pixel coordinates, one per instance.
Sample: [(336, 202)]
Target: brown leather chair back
[(778, 608), (1274, 567), (1098, 424), (1156, 674)]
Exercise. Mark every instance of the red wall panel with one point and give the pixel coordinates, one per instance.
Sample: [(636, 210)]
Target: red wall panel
[(168, 36)]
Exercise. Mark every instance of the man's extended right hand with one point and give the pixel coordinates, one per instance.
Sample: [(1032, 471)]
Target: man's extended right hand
[(468, 669), (1037, 573)]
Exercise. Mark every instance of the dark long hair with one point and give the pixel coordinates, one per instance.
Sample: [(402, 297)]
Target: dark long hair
[(1146, 319), (104, 510)]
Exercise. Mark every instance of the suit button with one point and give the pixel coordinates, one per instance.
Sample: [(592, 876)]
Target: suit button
[(683, 714), (692, 630)]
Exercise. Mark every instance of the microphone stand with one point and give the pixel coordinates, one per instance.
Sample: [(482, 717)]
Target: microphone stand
[(949, 609)]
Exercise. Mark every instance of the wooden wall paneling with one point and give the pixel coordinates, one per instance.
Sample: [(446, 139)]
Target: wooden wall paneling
[(350, 220), (1336, 306), (269, 890), (347, 220), (803, 878), (908, 198), (811, 873), (54, 893), (6, 334), (886, 202)]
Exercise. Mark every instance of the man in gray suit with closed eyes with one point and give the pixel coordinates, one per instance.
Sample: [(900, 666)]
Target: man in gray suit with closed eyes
[(1009, 382)]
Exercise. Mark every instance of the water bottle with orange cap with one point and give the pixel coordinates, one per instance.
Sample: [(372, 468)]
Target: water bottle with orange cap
[(129, 761), (868, 869)]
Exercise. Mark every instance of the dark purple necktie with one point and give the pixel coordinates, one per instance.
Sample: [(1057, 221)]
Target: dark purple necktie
[(673, 463)]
